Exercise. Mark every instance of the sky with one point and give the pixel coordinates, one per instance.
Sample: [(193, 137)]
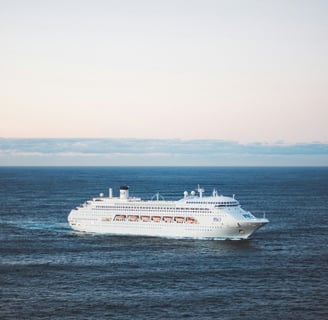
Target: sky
[(156, 152), (226, 71)]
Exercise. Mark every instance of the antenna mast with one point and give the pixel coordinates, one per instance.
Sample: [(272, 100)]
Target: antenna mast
[(200, 191)]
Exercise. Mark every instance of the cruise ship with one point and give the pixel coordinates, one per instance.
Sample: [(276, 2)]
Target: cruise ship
[(197, 216)]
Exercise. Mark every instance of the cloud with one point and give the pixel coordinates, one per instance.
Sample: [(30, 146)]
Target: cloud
[(106, 151)]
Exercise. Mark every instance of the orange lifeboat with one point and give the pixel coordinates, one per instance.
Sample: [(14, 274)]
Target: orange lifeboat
[(190, 220), (156, 218), (120, 217), (167, 219)]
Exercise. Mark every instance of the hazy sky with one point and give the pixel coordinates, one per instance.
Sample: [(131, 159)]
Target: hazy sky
[(164, 152), (237, 70)]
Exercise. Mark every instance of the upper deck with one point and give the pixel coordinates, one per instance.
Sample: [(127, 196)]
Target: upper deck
[(189, 200)]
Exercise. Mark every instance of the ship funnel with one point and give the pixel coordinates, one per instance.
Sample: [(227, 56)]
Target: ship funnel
[(124, 192)]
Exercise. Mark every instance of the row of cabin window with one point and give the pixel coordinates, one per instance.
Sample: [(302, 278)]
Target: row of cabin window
[(151, 208)]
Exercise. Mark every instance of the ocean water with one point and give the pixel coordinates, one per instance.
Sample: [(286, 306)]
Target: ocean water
[(48, 271)]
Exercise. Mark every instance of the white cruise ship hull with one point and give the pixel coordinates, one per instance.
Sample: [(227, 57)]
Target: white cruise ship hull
[(215, 217), (236, 231)]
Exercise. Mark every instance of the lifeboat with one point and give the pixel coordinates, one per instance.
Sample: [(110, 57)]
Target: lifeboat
[(120, 217), (145, 218), (179, 219), (133, 218), (156, 218), (191, 220), (167, 219)]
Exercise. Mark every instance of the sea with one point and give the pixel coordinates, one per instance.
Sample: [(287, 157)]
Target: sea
[(48, 271)]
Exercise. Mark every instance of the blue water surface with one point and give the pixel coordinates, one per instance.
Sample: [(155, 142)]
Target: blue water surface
[(48, 271)]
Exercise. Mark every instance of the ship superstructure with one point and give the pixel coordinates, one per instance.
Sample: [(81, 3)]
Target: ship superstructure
[(194, 216)]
